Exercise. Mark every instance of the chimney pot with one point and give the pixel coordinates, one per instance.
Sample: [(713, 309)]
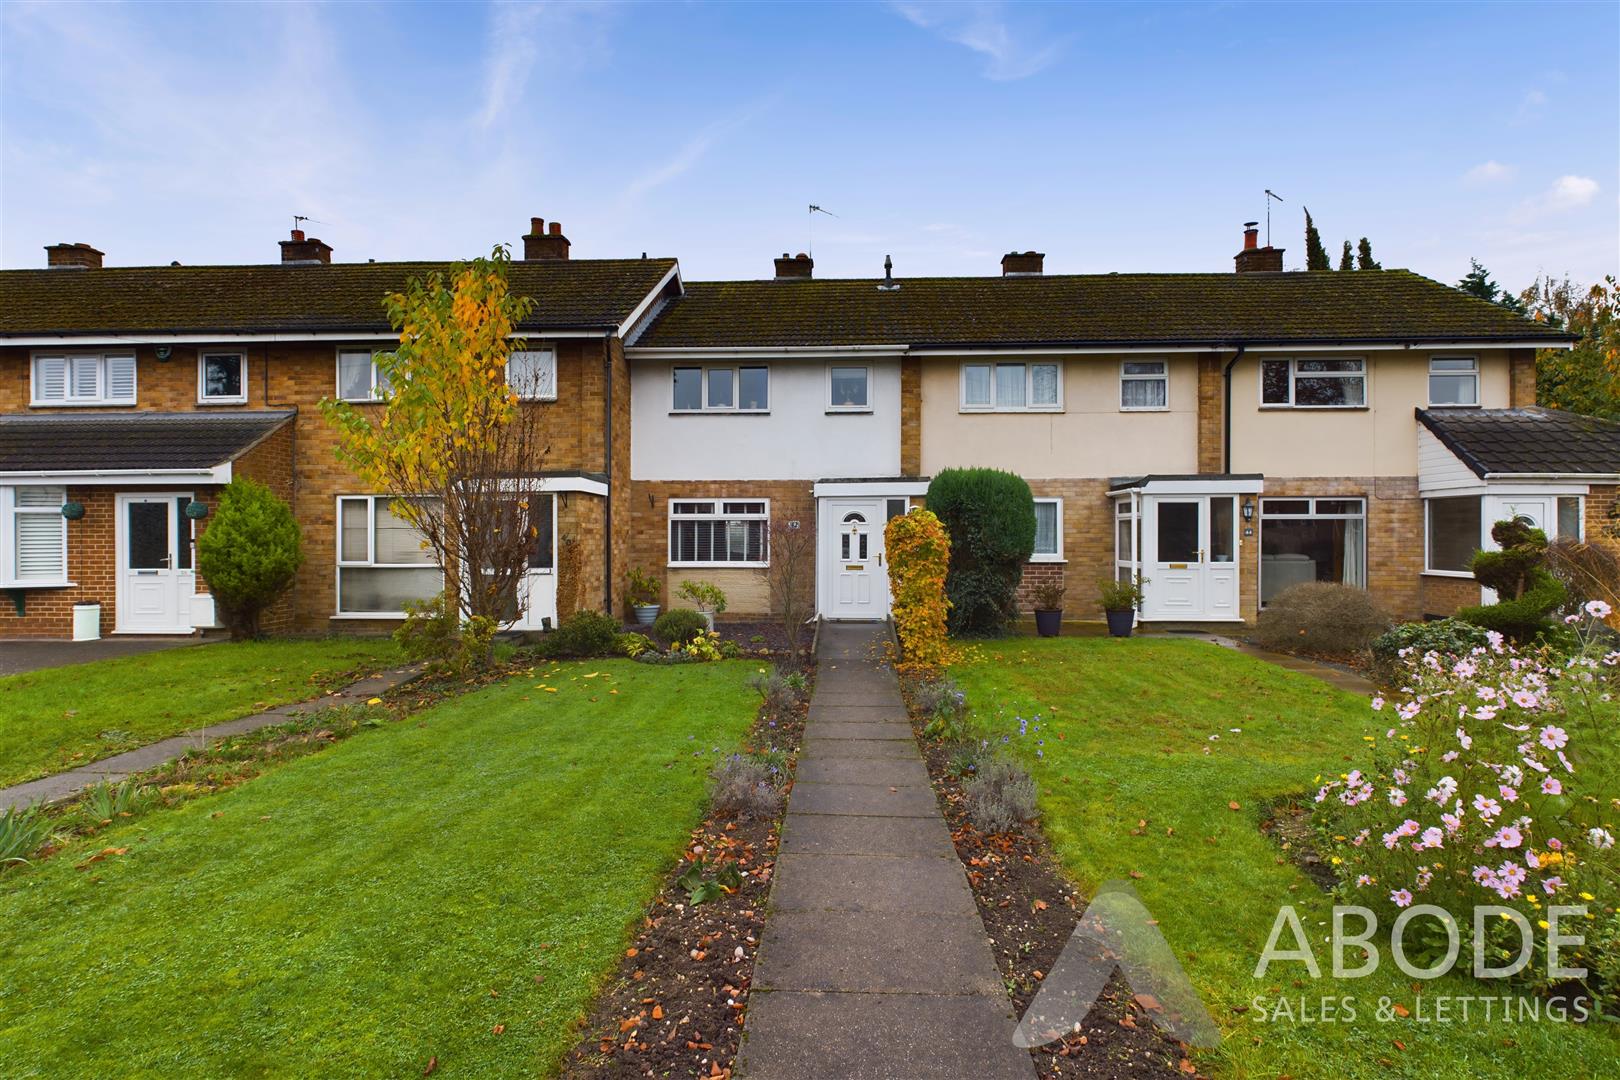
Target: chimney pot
[(794, 268), (1256, 259), (1251, 235), (1023, 263), (539, 244), (300, 250), (79, 256)]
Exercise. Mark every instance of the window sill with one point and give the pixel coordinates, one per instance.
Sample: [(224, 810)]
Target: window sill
[(358, 615), (836, 411), (1048, 560), (716, 565), (1438, 405), (1454, 575), (1315, 408), (969, 410), (207, 402), (37, 584), (719, 412), (81, 404)]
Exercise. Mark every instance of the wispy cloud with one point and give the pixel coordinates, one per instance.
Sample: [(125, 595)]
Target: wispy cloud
[(1010, 53), (523, 31), (692, 151), (1565, 194), (1531, 104), (1489, 172)]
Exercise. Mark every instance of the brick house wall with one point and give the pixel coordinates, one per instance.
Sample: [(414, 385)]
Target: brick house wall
[(911, 416)]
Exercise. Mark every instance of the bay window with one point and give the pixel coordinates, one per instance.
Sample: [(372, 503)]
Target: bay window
[(719, 532), (1454, 531), (1314, 383), (1011, 387), (84, 379), (1311, 539), (33, 536), (382, 559)]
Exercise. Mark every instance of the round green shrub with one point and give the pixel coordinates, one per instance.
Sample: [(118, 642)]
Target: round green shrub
[(248, 554), (990, 518), (584, 633), (679, 625)]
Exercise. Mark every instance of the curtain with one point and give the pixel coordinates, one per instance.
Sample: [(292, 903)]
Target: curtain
[(1355, 552)]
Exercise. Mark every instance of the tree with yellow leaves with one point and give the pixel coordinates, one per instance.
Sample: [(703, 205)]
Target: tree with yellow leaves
[(458, 445)]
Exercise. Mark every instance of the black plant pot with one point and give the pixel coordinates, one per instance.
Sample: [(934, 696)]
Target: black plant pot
[(1049, 623), (1120, 623)]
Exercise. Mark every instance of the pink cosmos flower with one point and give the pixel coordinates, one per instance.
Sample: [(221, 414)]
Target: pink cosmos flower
[(1486, 806), (1449, 756), (1378, 704), (1598, 609), (1507, 836), (1453, 822), (1365, 880), (1401, 897), (1524, 699), (1554, 737), (1465, 739), (1432, 837), (1552, 885), (1508, 793), (1555, 844), (1552, 786)]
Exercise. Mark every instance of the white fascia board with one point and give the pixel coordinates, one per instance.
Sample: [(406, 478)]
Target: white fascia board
[(1193, 487), (1510, 484), (1407, 346), (81, 340), (1064, 350), (583, 485), (763, 352), (876, 488), (1581, 479), (649, 300), (219, 474)]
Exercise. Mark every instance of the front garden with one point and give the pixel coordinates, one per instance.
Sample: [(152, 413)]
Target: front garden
[(443, 891)]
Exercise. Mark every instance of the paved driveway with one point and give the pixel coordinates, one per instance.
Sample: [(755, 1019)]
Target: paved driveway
[(17, 657)]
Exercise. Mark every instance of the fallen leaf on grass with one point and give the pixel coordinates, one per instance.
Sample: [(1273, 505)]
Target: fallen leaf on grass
[(498, 1029), (378, 701), (658, 1012), (433, 1063), (1233, 806), (1402, 1011), (1188, 1067)]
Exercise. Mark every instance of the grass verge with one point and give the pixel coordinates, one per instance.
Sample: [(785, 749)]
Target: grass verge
[(1142, 748), (449, 888)]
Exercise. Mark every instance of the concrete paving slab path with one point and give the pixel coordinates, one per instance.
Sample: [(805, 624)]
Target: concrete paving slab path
[(874, 961), (65, 785)]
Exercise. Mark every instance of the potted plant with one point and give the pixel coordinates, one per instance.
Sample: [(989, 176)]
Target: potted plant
[(1120, 599), (641, 590), (1049, 609), (709, 598)]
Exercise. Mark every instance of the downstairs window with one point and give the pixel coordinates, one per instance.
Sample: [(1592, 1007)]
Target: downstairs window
[(1311, 540), (719, 532), (382, 559)]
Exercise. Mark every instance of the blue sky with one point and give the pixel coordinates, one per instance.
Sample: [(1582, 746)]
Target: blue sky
[(1112, 137)]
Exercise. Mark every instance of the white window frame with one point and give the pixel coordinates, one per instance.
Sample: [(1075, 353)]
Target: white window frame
[(1428, 534), (9, 512), (69, 400), (1365, 375), (1056, 556), (1432, 373), (704, 407), (1029, 367), (833, 406), (718, 514), (337, 374), (546, 393), (369, 562), (1162, 377), (203, 397)]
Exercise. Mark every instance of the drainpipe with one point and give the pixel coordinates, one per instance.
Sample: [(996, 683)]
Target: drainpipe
[(1226, 417), (607, 467)]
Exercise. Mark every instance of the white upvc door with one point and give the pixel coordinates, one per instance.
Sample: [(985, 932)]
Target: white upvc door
[(1189, 557), (855, 577), (155, 578), (537, 589)]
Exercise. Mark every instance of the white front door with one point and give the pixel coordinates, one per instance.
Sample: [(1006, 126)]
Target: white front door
[(855, 579), (537, 592), (1190, 557), (155, 577)]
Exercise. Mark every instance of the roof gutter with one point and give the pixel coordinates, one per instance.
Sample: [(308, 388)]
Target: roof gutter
[(607, 468)]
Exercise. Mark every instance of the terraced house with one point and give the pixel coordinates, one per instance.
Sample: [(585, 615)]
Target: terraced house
[(1222, 435)]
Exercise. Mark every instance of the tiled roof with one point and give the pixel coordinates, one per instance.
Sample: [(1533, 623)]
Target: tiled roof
[(569, 293), (1094, 309), (1534, 441), (85, 442)]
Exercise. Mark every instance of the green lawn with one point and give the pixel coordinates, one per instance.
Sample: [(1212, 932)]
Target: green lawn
[(61, 717), (389, 900), (1127, 735)]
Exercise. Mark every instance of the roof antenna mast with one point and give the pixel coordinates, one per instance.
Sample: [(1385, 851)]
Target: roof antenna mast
[(1269, 196), (814, 210), (298, 220)]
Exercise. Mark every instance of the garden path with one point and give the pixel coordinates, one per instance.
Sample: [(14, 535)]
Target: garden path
[(874, 961)]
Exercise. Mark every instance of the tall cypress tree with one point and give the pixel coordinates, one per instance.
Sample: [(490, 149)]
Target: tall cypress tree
[(1346, 260), (1316, 256), (1364, 259)]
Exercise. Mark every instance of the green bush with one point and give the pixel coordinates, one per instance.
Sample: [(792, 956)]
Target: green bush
[(990, 518), (1321, 617), (248, 554), (632, 644), (1448, 637), (1527, 591), (679, 625), (434, 633), (582, 634)]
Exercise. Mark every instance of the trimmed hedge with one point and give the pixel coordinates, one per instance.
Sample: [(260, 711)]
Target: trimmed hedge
[(990, 518)]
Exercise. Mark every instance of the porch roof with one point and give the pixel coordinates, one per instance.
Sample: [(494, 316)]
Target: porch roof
[(1499, 443), (121, 443), (1238, 483)]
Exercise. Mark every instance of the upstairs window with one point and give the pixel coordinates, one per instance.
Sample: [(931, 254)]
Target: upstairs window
[(1144, 385), (849, 389), (721, 389), (33, 536), (222, 378), (1454, 381), (533, 374), (84, 379), (1011, 388), (1308, 383), (358, 377), (719, 532)]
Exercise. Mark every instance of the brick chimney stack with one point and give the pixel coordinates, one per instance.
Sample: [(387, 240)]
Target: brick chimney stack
[(302, 251), (1254, 258), (72, 257), (794, 267), (540, 244), (1023, 264)]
